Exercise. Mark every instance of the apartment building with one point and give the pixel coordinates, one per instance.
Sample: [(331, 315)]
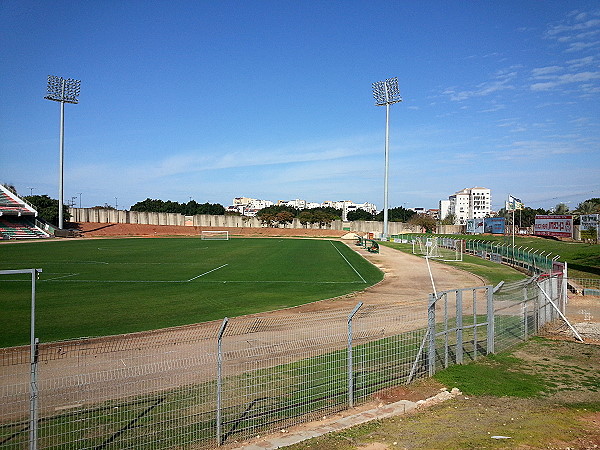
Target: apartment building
[(249, 206), (469, 203)]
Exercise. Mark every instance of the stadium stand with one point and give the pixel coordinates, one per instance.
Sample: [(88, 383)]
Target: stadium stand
[(17, 217)]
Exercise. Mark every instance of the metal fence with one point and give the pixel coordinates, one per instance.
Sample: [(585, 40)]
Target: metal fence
[(223, 382)]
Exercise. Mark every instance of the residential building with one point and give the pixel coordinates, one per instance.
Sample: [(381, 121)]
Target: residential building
[(444, 209), (250, 206), (470, 203)]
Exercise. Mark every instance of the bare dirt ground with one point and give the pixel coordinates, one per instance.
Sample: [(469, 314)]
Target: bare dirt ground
[(93, 229)]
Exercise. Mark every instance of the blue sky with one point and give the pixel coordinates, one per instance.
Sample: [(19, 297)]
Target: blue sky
[(272, 100)]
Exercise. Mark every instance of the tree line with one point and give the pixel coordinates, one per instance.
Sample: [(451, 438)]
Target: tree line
[(190, 208), (526, 216), (47, 208)]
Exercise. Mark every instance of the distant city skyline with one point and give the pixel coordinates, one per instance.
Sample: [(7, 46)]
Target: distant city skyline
[(273, 98)]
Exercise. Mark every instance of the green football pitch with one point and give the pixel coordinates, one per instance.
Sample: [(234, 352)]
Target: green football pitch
[(112, 286)]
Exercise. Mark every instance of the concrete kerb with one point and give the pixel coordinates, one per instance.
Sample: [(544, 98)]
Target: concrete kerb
[(336, 423)]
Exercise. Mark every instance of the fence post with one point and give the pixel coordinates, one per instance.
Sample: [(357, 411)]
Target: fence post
[(219, 378), (490, 320), (33, 412), (431, 330), (475, 324), (525, 321), (33, 408), (350, 370), (459, 327)]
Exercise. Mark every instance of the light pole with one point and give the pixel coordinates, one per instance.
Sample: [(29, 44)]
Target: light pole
[(386, 93), (30, 191), (64, 91), (79, 193)]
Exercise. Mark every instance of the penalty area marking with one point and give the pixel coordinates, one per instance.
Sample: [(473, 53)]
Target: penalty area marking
[(62, 278), (338, 250), (206, 273)]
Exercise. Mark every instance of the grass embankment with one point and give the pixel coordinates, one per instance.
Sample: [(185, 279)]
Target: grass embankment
[(583, 260), (542, 394), (490, 271)]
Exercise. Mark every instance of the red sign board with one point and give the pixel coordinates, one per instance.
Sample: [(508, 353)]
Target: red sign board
[(558, 226)]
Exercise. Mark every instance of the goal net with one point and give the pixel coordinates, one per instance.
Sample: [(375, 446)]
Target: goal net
[(215, 235), (445, 249)]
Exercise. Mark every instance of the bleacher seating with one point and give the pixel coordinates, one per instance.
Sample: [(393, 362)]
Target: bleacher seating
[(17, 218), (14, 229), (9, 205)]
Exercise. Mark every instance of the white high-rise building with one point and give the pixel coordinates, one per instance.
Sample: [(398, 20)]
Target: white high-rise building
[(470, 203), (444, 208)]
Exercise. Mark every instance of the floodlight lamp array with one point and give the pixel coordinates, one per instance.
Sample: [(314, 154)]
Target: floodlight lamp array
[(386, 92), (64, 90)]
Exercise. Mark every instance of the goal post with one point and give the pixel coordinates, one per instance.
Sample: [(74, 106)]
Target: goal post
[(442, 248), (220, 235)]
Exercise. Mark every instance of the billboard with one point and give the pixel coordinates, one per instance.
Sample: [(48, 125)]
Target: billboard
[(557, 226), (494, 225), (474, 226), (589, 221)]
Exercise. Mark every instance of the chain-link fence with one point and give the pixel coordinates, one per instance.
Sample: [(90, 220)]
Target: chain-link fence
[(533, 262), (218, 383)]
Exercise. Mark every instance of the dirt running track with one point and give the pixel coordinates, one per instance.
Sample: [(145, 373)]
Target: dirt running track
[(77, 372)]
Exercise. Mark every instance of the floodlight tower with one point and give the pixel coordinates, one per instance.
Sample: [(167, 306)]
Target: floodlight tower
[(64, 91), (386, 93)]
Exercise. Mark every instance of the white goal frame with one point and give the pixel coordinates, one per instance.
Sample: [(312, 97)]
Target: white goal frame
[(444, 249), (214, 235)]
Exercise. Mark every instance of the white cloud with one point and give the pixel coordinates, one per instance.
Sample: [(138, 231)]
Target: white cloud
[(560, 80), (502, 82), (579, 31), (543, 72), (579, 46), (580, 62), (571, 27)]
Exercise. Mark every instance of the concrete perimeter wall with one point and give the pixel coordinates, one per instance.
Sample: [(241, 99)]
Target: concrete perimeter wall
[(204, 220)]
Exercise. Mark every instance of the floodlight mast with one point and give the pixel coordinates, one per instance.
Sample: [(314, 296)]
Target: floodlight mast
[(386, 93), (63, 90)]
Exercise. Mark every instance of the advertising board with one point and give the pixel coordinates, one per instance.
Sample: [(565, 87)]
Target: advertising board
[(589, 221), (494, 225), (475, 226), (557, 226)]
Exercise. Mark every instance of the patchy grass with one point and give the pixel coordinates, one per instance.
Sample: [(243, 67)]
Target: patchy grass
[(543, 394)]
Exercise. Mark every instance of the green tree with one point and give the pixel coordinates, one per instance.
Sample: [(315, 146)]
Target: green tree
[(275, 209), (47, 208), (591, 206), (284, 217), (336, 214), (359, 214), (305, 217), (561, 209), (190, 208), (321, 217), (423, 220), (450, 219), (524, 217), (397, 214)]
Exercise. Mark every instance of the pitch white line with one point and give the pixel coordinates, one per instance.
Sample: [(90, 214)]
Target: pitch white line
[(206, 273), (64, 276), (203, 281), (338, 250)]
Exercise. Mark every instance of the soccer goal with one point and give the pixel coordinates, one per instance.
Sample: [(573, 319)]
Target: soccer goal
[(444, 249), (215, 235)]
